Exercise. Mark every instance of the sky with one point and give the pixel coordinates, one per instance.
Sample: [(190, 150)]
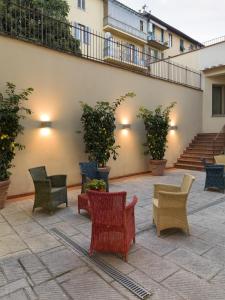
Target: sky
[(203, 20)]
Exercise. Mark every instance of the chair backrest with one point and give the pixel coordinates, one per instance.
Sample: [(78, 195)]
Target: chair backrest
[(90, 169), (187, 183), (107, 208), (215, 171), (220, 159), (38, 173)]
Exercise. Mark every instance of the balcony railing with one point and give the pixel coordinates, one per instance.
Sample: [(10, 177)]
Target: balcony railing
[(214, 41), (151, 37), (109, 21), (32, 25)]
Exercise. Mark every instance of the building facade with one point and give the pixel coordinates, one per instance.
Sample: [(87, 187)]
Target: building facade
[(135, 38)]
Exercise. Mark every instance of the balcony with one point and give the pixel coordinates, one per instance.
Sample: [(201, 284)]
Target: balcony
[(156, 42), (122, 55), (120, 28)]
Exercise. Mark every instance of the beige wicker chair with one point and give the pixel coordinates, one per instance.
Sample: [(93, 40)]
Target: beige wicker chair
[(169, 205), (220, 159)]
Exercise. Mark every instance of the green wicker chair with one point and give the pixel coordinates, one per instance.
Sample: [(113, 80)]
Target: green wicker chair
[(50, 191)]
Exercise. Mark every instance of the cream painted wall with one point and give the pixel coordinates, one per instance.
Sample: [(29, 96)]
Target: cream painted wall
[(92, 16), (208, 57), (60, 81)]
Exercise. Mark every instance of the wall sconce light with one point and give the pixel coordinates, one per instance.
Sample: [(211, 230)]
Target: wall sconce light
[(173, 127), (125, 126), (45, 124)]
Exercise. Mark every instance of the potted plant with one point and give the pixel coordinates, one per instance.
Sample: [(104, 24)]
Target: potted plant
[(96, 185), (98, 124), (157, 124), (12, 112)]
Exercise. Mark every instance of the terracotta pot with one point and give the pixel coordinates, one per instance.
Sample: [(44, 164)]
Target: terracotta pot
[(4, 186), (157, 167)]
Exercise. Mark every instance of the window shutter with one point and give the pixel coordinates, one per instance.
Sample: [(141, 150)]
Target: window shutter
[(83, 4), (136, 55), (76, 31), (86, 35)]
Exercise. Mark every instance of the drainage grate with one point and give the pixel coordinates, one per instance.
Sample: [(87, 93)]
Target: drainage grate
[(123, 279)]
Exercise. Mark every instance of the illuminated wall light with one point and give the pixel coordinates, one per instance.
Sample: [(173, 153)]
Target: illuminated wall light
[(173, 127), (45, 125)]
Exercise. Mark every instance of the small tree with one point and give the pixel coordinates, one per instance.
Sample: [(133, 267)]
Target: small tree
[(12, 112), (157, 123), (42, 21), (99, 126)]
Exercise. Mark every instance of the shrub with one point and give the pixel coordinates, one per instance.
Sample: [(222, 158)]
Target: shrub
[(12, 112), (157, 123)]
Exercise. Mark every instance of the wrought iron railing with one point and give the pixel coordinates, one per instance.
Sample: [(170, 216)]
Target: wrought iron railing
[(33, 25), (117, 24), (220, 137)]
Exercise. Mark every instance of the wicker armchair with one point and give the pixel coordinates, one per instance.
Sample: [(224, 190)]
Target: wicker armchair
[(169, 205), (113, 222), (215, 177), (50, 191), (220, 159), (89, 171)]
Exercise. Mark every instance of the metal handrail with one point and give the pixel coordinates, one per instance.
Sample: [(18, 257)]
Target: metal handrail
[(222, 132), (29, 24), (214, 41)]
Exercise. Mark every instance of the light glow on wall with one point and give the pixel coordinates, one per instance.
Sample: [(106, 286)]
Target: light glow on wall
[(125, 126), (45, 125)]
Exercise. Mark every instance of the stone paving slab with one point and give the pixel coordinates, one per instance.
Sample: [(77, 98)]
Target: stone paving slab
[(194, 263), (35, 264), (154, 266), (189, 286)]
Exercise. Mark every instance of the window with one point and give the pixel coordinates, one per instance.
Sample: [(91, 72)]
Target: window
[(170, 40), (182, 45), (191, 47), (82, 33), (218, 100), (81, 4), (162, 35), (141, 25)]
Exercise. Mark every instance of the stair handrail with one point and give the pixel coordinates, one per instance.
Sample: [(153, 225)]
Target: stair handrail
[(222, 131)]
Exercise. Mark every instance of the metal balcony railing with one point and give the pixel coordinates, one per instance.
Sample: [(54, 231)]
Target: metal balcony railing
[(32, 25), (153, 37), (125, 28), (215, 41)]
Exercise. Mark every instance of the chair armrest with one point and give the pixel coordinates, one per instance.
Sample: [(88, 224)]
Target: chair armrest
[(165, 187), (58, 180), (43, 186), (132, 204), (172, 199)]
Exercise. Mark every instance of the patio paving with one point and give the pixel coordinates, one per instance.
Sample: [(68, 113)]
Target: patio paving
[(35, 264)]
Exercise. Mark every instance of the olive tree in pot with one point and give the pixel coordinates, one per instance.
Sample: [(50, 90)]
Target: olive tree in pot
[(157, 124), (12, 112), (98, 124)]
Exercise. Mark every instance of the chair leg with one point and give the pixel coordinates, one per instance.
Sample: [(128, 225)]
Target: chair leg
[(134, 240), (158, 232), (33, 209), (125, 257)]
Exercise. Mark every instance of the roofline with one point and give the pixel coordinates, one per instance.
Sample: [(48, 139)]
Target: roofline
[(128, 8), (173, 29)]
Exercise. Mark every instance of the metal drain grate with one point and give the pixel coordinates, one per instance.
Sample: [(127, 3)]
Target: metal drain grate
[(123, 279)]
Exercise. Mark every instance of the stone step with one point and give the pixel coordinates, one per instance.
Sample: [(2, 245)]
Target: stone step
[(196, 156), (189, 167), (190, 161)]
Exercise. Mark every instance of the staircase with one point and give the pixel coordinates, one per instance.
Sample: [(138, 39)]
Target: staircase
[(204, 145)]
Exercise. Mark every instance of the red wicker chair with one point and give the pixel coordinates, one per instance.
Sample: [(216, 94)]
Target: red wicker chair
[(113, 223), (83, 203)]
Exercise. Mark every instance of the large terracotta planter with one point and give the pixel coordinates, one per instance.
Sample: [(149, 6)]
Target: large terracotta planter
[(4, 186), (157, 167)]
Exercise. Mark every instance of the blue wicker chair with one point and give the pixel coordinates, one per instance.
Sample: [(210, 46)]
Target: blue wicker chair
[(50, 191), (215, 177), (89, 171)]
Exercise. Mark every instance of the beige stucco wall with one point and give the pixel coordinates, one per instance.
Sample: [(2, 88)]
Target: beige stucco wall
[(60, 81), (92, 16), (201, 59)]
